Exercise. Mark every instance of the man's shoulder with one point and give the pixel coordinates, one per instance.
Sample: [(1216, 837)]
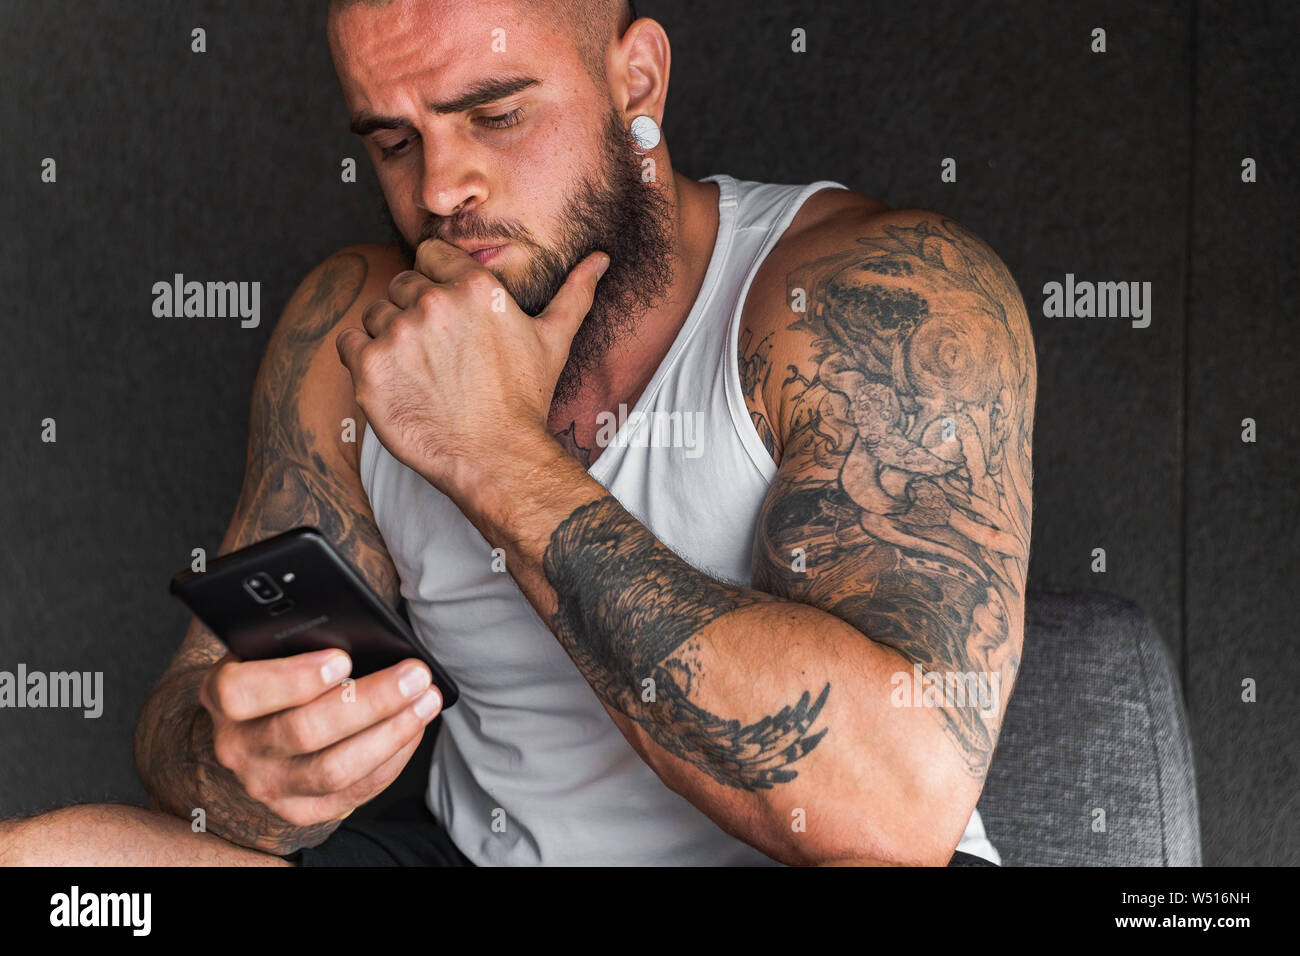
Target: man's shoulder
[(329, 290), (335, 292), (837, 227), (869, 264), (331, 298), (828, 223)]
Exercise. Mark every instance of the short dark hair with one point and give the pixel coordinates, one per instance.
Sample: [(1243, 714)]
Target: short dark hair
[(590, 22)]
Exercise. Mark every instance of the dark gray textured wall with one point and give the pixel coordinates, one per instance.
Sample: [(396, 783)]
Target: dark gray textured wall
[(1122, 166), (1242, 507)]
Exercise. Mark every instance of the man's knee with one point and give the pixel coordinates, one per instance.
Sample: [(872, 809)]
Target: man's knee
[(113, 834)]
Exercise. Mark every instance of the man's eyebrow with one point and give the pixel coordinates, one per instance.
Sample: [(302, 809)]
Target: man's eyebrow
[(478, 94)]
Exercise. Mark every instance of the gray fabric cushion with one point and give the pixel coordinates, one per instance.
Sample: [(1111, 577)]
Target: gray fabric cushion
[(1096, 722)]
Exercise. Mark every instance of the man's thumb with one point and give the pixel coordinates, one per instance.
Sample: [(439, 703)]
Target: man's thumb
[(572, 303)]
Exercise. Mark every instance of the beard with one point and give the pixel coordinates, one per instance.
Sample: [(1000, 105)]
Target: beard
[(614, 212)]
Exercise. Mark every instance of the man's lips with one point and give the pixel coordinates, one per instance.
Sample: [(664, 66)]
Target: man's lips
[(484, 253)]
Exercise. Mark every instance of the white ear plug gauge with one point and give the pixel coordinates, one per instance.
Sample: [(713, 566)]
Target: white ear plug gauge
[(646, 133)]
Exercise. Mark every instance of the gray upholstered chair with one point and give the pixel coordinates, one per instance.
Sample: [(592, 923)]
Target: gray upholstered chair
[(1096, 723)]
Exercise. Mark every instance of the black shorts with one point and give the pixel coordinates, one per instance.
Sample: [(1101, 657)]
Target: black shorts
[(407, 834), (961, 858)]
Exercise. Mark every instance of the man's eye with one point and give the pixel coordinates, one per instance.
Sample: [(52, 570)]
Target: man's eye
[(387, 151), (503, 121)]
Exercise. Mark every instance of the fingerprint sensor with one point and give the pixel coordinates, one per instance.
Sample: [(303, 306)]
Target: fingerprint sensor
[(280, 607)]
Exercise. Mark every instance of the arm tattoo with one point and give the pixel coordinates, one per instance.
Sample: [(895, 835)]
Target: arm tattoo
[(286, 483), (754, 372), (629, 609), (912, 430), (183, 773), (569, 441)]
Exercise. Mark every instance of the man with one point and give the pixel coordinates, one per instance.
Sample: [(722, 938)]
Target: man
[(725, 543)]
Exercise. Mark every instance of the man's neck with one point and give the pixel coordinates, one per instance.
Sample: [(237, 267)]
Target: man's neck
[(627, 369)]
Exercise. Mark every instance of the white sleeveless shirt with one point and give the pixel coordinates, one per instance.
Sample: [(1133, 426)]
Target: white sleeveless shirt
[(528, 767)]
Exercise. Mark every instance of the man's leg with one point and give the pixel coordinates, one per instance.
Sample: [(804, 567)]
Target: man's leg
[(403, 834), (113, 834)]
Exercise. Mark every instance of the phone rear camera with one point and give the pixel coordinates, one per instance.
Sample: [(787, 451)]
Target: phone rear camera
[(263, 589)]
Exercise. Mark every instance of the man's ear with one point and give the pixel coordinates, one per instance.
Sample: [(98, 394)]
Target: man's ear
[(639, 73)]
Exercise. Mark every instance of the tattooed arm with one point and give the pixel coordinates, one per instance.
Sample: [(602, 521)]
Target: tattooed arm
[(298, 472), (891, 374), (903, 377)]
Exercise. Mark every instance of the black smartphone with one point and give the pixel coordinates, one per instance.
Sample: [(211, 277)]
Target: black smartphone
[(294, 593)]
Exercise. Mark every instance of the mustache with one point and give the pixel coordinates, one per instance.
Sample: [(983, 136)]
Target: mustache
[(470, 230)]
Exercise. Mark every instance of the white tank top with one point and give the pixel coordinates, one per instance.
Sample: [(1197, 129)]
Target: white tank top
[(528, 767)]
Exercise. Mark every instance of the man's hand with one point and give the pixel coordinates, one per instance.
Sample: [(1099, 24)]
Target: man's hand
[(453, 374), (301, 746)]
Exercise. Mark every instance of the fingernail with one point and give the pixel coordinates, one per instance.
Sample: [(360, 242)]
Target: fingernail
[(414, 680), (336, 669), (429, 703), (600, 269)]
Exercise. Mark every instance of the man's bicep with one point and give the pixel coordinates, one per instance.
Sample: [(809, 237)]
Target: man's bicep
[(305, 427), (902, 503), (299, 470)]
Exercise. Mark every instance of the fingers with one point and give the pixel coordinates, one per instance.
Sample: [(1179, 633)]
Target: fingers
[(378, 315), (245, 690), (349, 343), (339, 767), (406, 288), (439, 267), (318, 759), (336, 716), (560, 320), (441, 261), (309, 810)]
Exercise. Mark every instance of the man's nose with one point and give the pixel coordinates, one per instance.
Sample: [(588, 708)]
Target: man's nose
[(449, 185)]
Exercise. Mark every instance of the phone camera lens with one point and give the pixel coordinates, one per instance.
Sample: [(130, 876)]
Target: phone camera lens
[(262, 588)]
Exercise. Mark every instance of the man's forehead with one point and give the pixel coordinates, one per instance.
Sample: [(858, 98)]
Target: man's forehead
[(372, 42), (445, 47)]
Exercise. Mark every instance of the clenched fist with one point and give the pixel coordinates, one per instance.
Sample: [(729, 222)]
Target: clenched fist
[(451, 373)]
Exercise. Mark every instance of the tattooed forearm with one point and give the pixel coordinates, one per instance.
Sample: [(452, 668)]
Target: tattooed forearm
[(629, 609), (286, 483), (911, 423)]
